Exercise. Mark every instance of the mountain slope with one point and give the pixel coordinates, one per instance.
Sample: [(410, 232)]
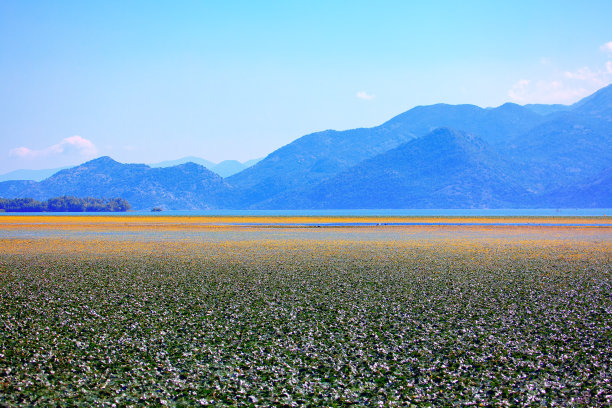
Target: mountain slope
[(186, 186), (495, 126), (598, 104), (313, 158), (595, 192), (228, 168), (225, 168), (35, 175), (543, 109), (570, 147), (444, 169), (188, 159), (545, 158), (16, 188)]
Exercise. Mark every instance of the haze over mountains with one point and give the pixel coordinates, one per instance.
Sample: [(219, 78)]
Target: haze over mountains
[(437, 156), (225, 168)]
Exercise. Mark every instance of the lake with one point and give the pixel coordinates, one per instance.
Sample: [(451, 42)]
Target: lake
[(507, 212)]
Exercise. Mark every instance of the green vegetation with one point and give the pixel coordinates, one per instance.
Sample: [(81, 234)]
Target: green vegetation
[(307, 324), (64, 204)]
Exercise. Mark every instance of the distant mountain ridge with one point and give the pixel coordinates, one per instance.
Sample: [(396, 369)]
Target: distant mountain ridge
[(224, 168), (186, 186), (313, 158), (188, 159), (437, 156), (409, 177), (542, 109), (35, 175)]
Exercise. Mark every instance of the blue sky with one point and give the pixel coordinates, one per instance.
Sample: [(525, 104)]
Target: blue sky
[(150, 81)]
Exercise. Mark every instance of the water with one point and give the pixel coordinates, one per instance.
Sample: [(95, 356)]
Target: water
[(542, 212)]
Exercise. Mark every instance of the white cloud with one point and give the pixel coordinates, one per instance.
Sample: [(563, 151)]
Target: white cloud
[(597, 78), (72, 144), (365, 96), (566, 87), (607, 47), (546, 92), (21, 152)]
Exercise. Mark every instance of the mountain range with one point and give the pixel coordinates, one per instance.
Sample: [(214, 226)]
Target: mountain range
[(225, 168), (436, 156), (27, 174)]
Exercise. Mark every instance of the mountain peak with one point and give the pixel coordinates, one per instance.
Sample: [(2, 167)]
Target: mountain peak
[(510, 107), (103, 160)]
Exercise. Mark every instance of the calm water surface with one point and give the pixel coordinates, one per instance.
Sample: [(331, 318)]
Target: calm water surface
[(542, 212)]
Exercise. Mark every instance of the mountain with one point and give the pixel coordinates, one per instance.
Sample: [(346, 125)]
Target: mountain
[(542, 109), (36, 175), (186, 186), (541, 153), (595, 192), (310, 159), (225, 168), (189, 159), (494, 125), (598, 104), (444, 169), (16, 188), (438, 156), (569, 148), (251, 162), (566, 150), (228, 168), (315, 157)]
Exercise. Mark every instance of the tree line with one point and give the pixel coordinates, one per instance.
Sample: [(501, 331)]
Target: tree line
[(64, 204)]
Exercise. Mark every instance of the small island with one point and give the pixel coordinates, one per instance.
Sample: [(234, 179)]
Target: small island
[(64, 204)]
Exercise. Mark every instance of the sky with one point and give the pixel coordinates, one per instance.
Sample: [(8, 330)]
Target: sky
[(146, 81)]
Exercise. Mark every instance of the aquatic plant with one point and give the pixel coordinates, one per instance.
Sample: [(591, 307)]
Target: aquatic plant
[(305, 323)]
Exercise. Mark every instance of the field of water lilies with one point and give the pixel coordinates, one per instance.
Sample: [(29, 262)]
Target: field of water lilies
[(361, 316)]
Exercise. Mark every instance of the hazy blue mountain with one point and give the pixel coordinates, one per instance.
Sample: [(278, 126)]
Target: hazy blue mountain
[(309, 160), (569, 148), (494, 125), (36, 175), (595, 192), (16, 188), (444, 169), (541, 154), (252, 162), (598, 104), (228, 168), (189, 159), (318, 156), (542, 109), (186, 186), (225, 168), (509, 156)]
